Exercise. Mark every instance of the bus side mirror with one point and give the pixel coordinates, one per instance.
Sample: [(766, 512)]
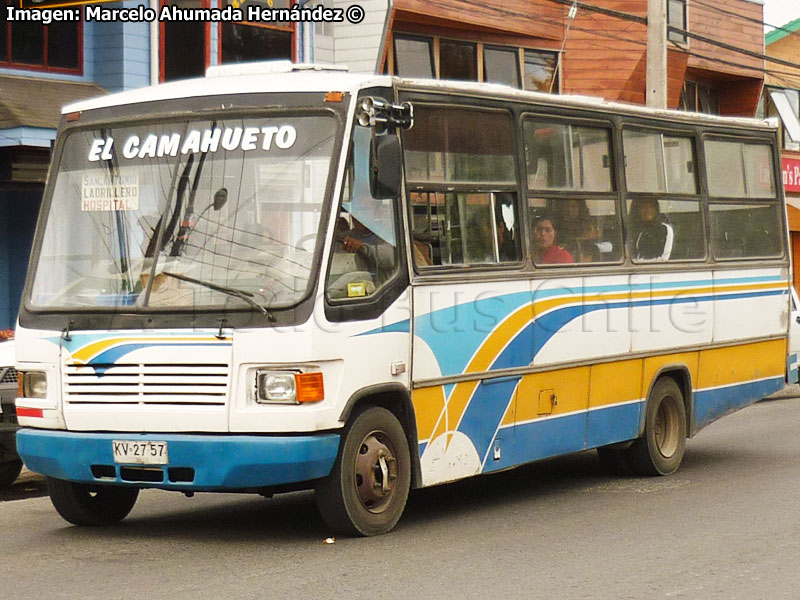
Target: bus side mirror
[(385, 170)]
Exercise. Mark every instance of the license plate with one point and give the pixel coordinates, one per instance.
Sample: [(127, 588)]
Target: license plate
[(139, 453)]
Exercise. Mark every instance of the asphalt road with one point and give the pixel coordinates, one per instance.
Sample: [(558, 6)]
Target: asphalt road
[(727, 525)]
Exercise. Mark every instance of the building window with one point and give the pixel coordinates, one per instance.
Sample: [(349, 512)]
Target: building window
[(54, 47), (242, 42), (540, 71), (419, 56), (184, 44), (676, 17), (324, 27), (785, 104), (413, 57), (501, 65), (458, 60), (697, 97)]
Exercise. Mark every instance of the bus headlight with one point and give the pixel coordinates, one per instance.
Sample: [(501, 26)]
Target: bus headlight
[(275, 386), (288, 387), (33, 384)]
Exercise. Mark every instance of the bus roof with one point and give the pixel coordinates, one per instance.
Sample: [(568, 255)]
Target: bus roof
[(284, 76)]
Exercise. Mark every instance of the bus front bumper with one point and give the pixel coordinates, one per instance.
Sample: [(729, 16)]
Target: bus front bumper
[(195, 462)]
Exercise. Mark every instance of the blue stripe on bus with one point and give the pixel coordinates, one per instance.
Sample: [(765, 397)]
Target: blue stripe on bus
[(548, 437), (710, 405), (492, 397), (612, 424)]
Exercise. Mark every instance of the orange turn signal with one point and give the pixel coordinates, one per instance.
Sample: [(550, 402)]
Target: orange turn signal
[(334, 96), (309, 387)]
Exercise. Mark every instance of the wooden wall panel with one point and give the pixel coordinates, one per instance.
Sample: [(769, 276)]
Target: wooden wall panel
[(711, 23), (787, 48), (533, 18), (739, 98), (606, 56)]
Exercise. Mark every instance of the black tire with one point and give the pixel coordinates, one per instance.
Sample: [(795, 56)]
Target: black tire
[(660, 450), (85, 504), (358, 498), (9, 471), (614, 461)]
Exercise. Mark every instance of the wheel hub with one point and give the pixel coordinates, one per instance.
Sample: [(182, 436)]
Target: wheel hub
[(376, 472), (666, 428)]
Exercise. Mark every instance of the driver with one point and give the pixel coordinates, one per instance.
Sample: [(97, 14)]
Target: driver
[(371, 253)]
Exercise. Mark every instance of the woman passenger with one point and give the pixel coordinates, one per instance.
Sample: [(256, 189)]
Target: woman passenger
[(545, 249)]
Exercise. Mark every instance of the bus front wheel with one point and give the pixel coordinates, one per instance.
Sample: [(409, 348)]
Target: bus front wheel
[(660, 450), (84, 504), (366, 492)]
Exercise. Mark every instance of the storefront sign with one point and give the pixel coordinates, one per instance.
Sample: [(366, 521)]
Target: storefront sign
[(790, 168)]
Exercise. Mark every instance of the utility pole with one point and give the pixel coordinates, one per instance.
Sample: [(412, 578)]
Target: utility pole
[(656, 95)]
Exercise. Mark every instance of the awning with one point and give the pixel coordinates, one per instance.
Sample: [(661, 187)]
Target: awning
[(29, 102), (788, 114)]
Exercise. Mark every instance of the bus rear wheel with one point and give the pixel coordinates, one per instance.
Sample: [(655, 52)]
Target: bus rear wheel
[(660, 450), (366, 492), (85, 504)]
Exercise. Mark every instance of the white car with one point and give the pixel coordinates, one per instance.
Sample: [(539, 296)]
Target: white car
[(10, 463)]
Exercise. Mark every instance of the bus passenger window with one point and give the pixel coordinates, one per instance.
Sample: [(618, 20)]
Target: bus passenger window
[(465, 228), (745, 231), (657, 162), (562, 156), (471, 150), (665, 230), (586, 228)]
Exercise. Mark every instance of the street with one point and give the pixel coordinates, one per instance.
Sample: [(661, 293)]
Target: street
[(726, 525)]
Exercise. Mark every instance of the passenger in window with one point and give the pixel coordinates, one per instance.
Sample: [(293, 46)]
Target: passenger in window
[(651, 234), (545, 249)]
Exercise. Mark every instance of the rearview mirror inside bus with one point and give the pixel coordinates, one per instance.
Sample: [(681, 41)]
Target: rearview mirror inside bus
[(384, 166)]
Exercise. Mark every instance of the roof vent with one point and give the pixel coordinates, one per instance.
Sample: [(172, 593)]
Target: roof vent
[(270, 67)]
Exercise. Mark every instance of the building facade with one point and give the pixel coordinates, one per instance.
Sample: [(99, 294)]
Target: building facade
[(782, 99)]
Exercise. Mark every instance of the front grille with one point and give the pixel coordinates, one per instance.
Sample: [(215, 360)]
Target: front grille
[(154, 384), (9, 376)]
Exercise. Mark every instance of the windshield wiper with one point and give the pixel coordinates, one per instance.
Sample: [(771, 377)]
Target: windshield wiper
[(242, 295)]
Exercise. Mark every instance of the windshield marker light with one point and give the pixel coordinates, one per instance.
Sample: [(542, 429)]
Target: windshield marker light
[(334, 96)]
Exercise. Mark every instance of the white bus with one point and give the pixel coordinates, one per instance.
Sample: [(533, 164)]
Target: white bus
[(279, 277)]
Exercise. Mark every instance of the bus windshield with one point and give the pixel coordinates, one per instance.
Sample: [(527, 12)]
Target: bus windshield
[(186, 214)]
